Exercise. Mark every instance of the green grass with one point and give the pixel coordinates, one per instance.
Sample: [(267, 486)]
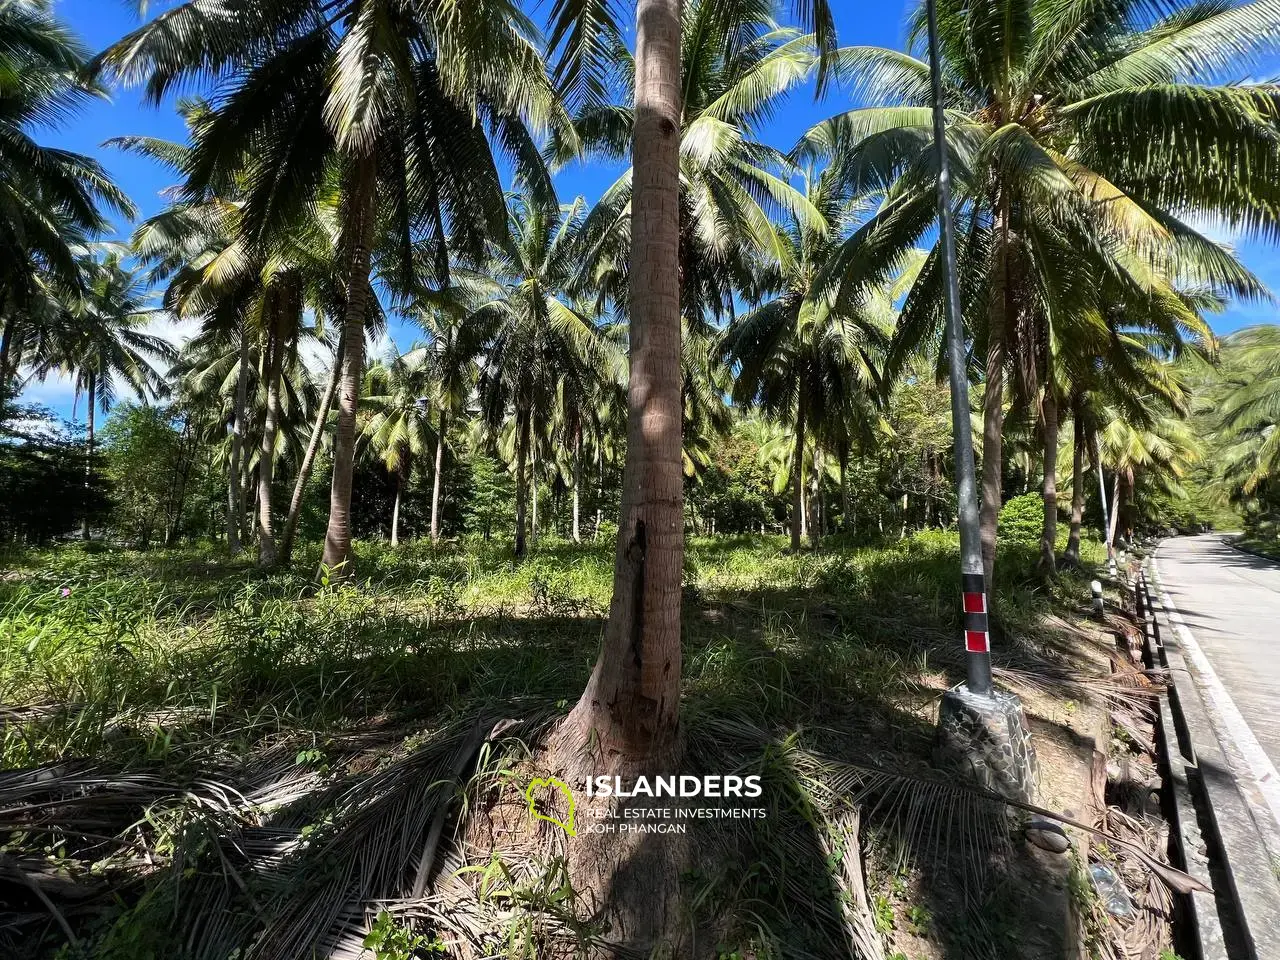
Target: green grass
[(187, 667)]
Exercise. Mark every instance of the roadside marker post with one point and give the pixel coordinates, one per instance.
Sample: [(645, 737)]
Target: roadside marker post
[(982, 732)]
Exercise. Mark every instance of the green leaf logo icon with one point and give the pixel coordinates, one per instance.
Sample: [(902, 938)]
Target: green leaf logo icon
[(531, 795)]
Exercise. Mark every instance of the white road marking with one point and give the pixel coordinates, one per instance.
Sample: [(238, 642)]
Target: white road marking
[(1225, 715)]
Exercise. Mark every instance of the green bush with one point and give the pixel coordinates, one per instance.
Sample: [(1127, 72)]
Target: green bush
[(1022, 519)]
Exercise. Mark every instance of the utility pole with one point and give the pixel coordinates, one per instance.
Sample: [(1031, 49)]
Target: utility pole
[(982, 732), (977, 634)]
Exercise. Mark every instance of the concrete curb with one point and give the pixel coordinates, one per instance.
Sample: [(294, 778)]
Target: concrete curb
[(1218, 840)]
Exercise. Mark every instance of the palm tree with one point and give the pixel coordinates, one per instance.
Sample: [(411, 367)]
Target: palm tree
[(1160, 451), (731, 184), (542, 351), (1082, 142), (637, 674), (397, 416), (1249, 411), (455, 347), (102, 346), (807, 357), (1116, 354), (384, 104), (51, 199)]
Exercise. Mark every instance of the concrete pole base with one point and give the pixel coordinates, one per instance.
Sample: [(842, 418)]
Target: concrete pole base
[(986, 739)]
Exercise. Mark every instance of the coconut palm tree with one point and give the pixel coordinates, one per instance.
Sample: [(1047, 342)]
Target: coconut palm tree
[(1083, 139), (387, 106), (396, 421), (101, 345), (731, 184), (1249, 412), (808, 357), (1160, 452), (198, 248), (51, 200), (1115, 349), (542, 350), (629, 710)]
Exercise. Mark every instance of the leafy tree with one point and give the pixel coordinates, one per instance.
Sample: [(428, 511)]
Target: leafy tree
[(145, 457), (52, 201), (1250, 408), (44, 490), (100, 343)]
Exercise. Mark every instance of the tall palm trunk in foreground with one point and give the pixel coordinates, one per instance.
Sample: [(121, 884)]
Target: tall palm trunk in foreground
[(309, 459), (631, 702), (361, 211)]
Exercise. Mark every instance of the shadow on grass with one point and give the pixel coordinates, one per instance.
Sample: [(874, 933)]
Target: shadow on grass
[(846, 648)]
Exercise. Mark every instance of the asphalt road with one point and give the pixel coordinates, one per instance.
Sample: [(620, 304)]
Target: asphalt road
[(1230, 600)]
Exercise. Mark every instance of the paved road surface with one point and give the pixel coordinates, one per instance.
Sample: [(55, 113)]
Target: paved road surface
[(1231, 602)]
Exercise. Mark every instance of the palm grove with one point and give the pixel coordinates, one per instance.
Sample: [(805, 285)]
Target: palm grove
[(735, 337)]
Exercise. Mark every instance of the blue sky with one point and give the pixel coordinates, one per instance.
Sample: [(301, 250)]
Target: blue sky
[(101, 22)]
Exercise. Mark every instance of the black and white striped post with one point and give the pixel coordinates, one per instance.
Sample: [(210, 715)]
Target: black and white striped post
[(982, 732), (977, 634)]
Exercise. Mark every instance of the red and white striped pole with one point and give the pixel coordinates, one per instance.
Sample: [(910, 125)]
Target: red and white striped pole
[(977, 635)]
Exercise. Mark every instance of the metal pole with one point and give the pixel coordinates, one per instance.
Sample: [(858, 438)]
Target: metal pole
[(977, 636)]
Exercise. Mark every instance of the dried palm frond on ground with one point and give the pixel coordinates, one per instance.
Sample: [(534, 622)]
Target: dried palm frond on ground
[(284, 771)]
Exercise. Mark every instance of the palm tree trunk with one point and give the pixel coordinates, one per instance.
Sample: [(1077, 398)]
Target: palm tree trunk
[(797, 478), (401, 473), (435, 480), (522, 489), (629, 710), (361, 213), (577, 482), (6, 345), (274, 347), (183, 474), (88, 449), (816, 512), (235, 476), (599, 490), (309, 459), (1049, 431), (993, 396), (533, 497), (1115, 514), (1072, 555), (844, 488)]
